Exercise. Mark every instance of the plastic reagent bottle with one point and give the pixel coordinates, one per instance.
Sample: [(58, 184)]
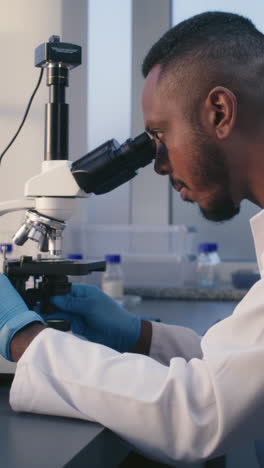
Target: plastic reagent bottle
[(5, 249), (208, 262), (113, 278)]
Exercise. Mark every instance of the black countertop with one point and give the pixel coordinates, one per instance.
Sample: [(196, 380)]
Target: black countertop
[(224, 293)]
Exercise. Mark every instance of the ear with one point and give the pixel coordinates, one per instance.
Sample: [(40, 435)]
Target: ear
[(220, 112)]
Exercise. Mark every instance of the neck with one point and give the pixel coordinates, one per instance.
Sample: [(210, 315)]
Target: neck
[(254, 173)]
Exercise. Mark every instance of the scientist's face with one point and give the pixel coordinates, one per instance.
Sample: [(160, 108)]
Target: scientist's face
[(194, 163)]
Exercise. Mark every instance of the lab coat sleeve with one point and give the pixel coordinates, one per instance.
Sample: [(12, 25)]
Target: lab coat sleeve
[(187, 411), (170, 341)]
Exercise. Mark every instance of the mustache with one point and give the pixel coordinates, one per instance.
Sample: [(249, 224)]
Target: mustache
[(178, 184)]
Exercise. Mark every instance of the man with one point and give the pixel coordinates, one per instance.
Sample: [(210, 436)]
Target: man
[(190, 399)]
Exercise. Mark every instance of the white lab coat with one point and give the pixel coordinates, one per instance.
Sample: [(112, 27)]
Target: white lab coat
[(191, 399)]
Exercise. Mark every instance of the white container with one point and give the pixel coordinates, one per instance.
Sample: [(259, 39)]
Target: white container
[(152, 255), (132, 239)]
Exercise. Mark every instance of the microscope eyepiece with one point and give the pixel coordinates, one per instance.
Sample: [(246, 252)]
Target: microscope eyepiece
[(111, 164)]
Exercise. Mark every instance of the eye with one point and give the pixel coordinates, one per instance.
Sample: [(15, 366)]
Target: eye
[(157, 134)]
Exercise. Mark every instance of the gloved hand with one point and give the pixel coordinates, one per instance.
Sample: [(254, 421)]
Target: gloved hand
[(97, 317), (14, 315)]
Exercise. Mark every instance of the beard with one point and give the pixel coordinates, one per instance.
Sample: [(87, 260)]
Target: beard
[(221, 209), (212, 174)]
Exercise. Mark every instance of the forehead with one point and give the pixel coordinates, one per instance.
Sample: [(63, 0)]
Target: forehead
[(151, 97), (157, 105)]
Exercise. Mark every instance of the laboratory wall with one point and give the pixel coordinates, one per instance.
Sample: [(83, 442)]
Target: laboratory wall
[(149, 192), (109, 96), (233, 237), (119, 35)]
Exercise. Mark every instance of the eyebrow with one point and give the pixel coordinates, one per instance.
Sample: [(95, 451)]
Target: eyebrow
[(150, 128)]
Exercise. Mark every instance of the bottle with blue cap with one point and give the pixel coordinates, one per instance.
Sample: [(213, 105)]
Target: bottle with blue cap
[(113, 278), (5, 251), (208, 262)]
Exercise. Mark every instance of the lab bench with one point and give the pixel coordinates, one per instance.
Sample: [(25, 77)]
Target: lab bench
[(31, 440)]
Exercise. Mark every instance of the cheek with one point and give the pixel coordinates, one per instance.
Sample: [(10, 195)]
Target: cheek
[(181, 157)]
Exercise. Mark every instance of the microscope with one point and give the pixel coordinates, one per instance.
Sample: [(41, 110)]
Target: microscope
[(50, 196)]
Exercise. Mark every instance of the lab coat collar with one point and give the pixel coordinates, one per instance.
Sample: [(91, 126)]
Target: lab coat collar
[(257, 227)]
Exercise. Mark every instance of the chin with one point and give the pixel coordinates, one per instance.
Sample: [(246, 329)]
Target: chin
[(220, 211)]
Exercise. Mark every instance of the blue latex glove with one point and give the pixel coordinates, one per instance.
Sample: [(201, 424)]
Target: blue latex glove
[(97, 317), (14, 315)]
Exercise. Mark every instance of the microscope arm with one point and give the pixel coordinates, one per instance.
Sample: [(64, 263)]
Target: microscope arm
[(16, 205), (51, 193), (55, 190), (50, 200)]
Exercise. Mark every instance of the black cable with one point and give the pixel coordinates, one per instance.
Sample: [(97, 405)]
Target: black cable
[(25, 115)]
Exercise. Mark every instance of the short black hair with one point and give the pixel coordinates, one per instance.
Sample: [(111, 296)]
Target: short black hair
[(212, 34)]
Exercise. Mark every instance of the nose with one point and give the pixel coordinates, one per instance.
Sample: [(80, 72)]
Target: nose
[(162, 165)]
